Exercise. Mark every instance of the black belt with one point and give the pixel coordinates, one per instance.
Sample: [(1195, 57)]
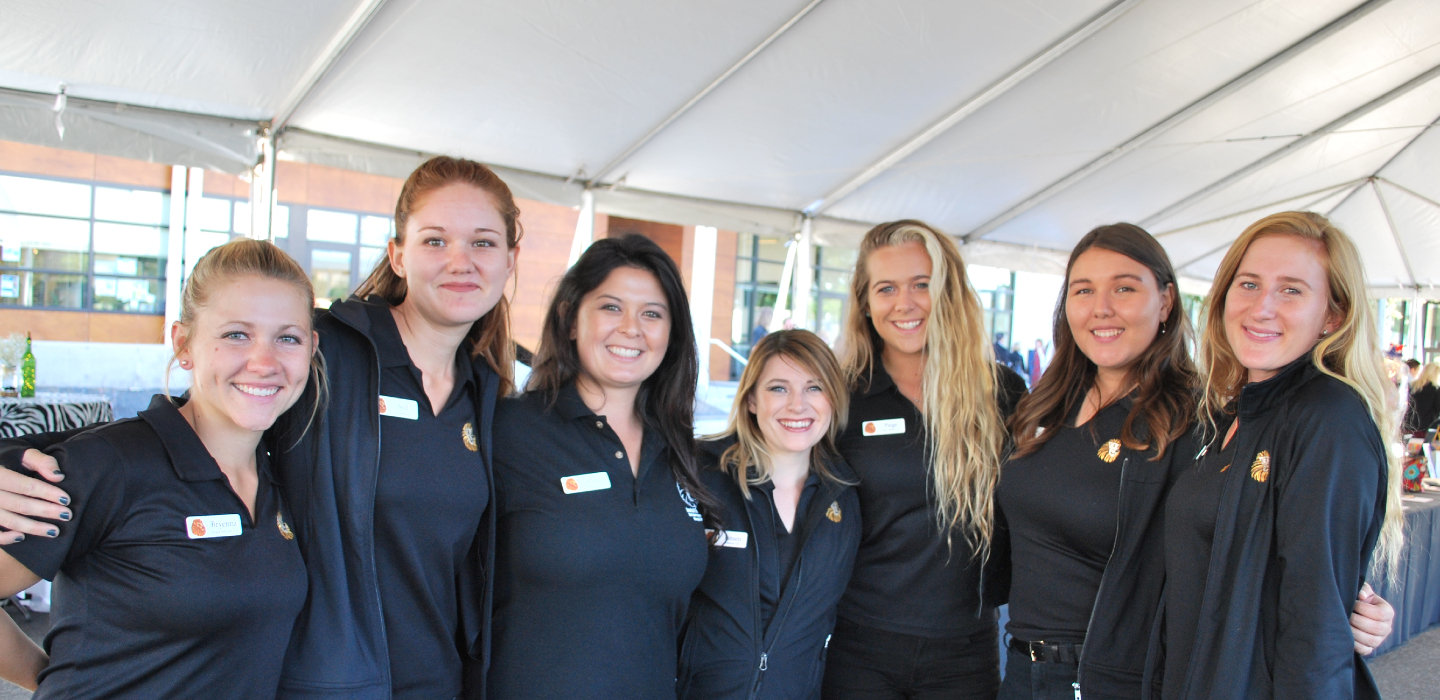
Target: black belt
[(1047, 653)]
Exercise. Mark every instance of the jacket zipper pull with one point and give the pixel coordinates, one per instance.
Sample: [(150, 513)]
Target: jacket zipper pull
[(764, 661), (1076, 686)]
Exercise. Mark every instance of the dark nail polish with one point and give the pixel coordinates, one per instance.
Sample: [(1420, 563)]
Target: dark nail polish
[(64, 516), (19, 538), (58, 473), (64, 500), (52, 532)]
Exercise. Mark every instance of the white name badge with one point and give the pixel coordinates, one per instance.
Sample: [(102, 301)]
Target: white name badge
[(731, 538), (580, 483), (399, 408), (203, 527), (891, 426)]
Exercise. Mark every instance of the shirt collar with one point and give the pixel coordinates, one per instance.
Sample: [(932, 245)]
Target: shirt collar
[(878, 381), (192, 462), (1256, 398), (569, 404), (391, 348)]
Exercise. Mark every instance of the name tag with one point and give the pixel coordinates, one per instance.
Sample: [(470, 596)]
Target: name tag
[(891, 426), (203, 527), (399, 408), (731, 538), (580, 483)]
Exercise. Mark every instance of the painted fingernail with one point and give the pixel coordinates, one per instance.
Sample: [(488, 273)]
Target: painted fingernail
[(52, 532), (65, 516), (58, 473), (64, 500), (19, 538)]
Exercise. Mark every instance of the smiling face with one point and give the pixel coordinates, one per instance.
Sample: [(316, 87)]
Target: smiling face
[(622, 329), (1278, 305), (899, 295), (249, 352), (790, 407), (453, 258), (1114, 307)]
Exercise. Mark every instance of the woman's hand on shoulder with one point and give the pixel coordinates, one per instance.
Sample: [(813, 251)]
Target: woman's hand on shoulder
[(23, 497)]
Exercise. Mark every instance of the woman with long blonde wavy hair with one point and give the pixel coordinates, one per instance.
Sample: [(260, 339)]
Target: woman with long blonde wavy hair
[(925, 435), (1268, 538)]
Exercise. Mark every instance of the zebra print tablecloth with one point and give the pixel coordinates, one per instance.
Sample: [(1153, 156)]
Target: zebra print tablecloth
[(51, 412)]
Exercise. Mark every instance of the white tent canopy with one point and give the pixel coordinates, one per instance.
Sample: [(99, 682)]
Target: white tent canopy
[(1016, 126)]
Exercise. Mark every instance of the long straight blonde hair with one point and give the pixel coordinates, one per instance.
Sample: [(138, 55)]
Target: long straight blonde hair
[(1351, 353), (748, 460), (964, 430)]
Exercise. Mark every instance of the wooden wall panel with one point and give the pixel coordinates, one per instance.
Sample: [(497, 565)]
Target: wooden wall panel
[(549, 230), (291, 182), (126, 328), (136, 173), (670, 237), (46, 324), (345, 189), (723, 307), (41, 160)]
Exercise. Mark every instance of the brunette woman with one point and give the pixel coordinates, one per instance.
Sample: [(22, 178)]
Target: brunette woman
[(179, 564), (390, 490), (925, 436), (1269, 536), (760, 620), (599, 534), (1097, 443)]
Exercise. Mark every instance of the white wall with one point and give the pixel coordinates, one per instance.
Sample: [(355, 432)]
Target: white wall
[(104, 366)]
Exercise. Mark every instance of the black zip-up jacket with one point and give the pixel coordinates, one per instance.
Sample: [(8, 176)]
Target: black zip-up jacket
[(1112, 662), (328, 476), (1299, 516), (725, 653)]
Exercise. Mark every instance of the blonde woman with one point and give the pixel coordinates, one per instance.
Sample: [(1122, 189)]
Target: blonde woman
[(925, 435), (1424, 407), (1269, 536), (759, 621)]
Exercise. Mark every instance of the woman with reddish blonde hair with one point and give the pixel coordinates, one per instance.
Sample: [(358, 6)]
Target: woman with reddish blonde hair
[(1269, 537)]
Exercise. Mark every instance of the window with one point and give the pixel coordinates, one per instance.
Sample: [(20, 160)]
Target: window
[(337, 248), (833, 269), (996, 288), (75, 245), (759, 262)]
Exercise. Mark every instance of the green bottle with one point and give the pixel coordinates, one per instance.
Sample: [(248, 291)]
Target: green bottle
[(27, 371)]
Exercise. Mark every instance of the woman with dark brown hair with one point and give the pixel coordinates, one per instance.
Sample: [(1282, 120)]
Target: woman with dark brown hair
[(600, 510), (390, 489), (1098, 443)]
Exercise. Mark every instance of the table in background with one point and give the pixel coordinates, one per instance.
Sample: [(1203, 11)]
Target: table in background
[(1417, 596), (49, 412)]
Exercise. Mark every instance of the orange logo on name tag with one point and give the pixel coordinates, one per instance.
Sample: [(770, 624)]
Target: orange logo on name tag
[(197, 528), (869, 427), (571, 485), (382, 405)]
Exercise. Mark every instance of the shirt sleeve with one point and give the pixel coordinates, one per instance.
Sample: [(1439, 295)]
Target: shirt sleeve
[(95, 480), (1324, 522), (12, 449)]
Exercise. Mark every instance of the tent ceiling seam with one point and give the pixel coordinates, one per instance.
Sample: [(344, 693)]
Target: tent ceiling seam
[(624, 155), (337, 47), (1399, 244), (1327, 190), (1175, 119), (1409, 191), (973, 105), (1293, 146)]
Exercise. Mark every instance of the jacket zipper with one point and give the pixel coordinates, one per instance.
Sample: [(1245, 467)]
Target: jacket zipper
[(793, 588), (1104, 577)]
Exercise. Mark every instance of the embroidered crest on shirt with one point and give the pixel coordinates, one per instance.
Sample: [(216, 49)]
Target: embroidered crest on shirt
[(692, 508), (283, 526), (833, 512), (1260, 470), (467, 434), (1109, 451)]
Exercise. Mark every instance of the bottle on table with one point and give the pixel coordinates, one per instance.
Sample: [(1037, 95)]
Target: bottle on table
[(27, 371)]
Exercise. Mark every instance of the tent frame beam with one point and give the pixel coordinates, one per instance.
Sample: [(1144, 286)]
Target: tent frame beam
[(972, 105), (1395, 233), (1175, 119), (1327, 191), (1293, 146), (705, 92), (327, 59)]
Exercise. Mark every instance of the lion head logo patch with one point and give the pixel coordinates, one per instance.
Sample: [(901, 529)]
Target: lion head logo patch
[(1109, 451), (283, 526), (833, 512), (467, 435), (1260, 470)]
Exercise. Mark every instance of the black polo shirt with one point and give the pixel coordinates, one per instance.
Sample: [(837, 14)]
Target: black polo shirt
[(429, 497), (165, 587), (1062, 505), (907, 580), (594, 567)]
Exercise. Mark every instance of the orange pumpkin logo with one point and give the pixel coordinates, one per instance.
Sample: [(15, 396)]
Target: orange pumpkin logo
[(382, 405), (197, 528), (571, 485), (869, 428)]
